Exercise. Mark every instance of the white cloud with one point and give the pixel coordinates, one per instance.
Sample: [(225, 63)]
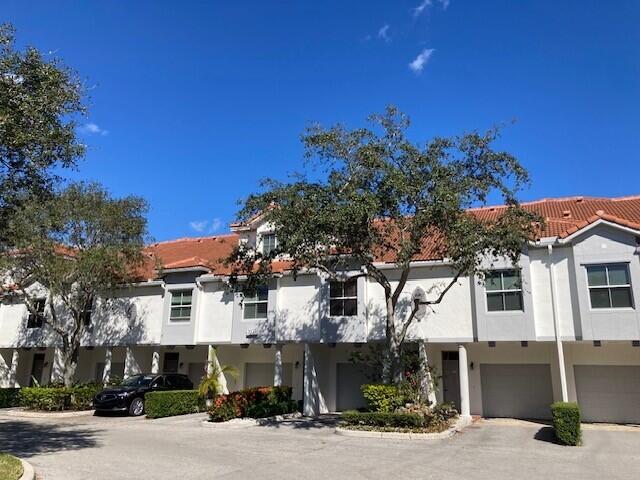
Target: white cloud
[(445, 4), (421, 60), (383, 33), (417, 11), (216, 224), (201, 226), (92, 129)]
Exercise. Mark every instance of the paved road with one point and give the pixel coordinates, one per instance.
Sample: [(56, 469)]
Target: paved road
[(177, 448)]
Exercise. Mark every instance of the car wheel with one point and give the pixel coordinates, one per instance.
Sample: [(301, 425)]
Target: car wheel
[(137, 407)]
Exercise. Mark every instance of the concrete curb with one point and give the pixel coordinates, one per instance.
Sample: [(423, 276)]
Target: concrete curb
[(21, 413), (250, 422), (28, 472), (460, 424)]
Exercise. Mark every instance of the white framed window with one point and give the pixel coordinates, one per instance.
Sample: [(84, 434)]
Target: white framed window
[(254, 305), (181, 305), (504, 290), (268, 243), (343, 298), (609, 286), (36, 320)]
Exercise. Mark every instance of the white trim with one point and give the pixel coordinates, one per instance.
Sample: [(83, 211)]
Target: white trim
[(593, 225)]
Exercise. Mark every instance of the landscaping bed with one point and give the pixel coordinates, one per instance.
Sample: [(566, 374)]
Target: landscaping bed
[(171, 403), (257, 402), (10, 467), (53, 398)]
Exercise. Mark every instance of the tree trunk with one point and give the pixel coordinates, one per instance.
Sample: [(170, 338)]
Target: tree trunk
[(393, 362), (70, 353)]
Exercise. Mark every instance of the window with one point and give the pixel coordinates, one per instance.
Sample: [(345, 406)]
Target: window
[(255, 303), (504, 290), (609, 286), (181, 305), (268, 243), (86, 315), (36, 320), (343, 298)]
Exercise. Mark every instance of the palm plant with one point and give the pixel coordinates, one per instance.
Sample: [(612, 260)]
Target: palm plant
[(210, 386)]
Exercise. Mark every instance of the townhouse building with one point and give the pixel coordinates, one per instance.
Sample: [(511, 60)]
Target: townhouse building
[(562, 324)]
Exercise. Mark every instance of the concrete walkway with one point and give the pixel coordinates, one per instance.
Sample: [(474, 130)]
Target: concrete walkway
[(123, 448)]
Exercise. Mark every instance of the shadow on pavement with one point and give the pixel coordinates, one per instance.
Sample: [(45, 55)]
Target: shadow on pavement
[(328, 421), (546, 434), (25, 439)]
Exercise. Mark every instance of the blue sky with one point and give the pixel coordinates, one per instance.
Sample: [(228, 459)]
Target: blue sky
[(192, 103)]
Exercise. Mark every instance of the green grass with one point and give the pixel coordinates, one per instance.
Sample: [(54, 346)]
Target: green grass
[(10, 467)]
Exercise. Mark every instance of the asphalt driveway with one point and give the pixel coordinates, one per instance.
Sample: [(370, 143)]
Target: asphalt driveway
[(179, 447)]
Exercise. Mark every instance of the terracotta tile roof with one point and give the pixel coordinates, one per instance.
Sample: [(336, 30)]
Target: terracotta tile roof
[(563, 216)]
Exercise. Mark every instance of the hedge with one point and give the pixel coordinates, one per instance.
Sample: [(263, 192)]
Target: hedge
[(173, 402), (382, 398), (566, 422), (384, 419), (257, 402), (9, 397), (57, 397)]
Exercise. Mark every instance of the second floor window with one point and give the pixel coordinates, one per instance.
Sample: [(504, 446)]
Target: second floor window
[(255, 303), (268, 243), (35, 320), (504, 290), (181, 305), (609, 286), (343, 298), (86, 315)]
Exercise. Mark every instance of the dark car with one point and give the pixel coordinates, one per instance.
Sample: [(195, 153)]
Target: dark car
[(129, 395)]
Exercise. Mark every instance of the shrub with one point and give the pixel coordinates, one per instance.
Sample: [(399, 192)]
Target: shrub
[(382, 398), (45, 398), (257, 402), (174, 402), (384, 419), (443, 412), (58, 397), (566, 422), (9, 397)]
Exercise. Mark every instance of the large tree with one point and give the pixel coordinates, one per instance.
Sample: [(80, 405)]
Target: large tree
[(39, 99), (373, 194), (74, 246)]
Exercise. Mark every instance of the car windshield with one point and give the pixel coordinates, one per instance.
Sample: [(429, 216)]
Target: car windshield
[(138, 381)]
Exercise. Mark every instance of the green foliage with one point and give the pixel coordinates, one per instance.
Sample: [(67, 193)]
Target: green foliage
[(78, 244), (443, 412), (373, 193), (383, 419), (566, 422), (174, 402), (210, 386), (382, 398), (257, 402), (40, 99), (58, 397), (9, 397), (10, 467)]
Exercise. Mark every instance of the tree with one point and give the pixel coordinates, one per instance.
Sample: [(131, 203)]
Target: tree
[(76, 246), (374, 194), (39, 99)]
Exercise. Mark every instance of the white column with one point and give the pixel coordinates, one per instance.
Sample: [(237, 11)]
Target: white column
[(106, 373), (13, 370), (57, 367), (155, 361), (310, 403), (559, 348), (213, 365), (464, 381), (277, 371), (131, 366), (426, 382)]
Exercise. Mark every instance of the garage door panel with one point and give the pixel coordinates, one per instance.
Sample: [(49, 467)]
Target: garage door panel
[(516, 390), (608, 393), (261, 374), (349, 378)]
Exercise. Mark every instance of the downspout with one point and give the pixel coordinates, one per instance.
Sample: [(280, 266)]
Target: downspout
[(554, 306)]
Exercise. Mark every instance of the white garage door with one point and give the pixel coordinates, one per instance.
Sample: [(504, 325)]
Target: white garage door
[(261, 374), (516, 390), (608, 393), (350, 376)]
